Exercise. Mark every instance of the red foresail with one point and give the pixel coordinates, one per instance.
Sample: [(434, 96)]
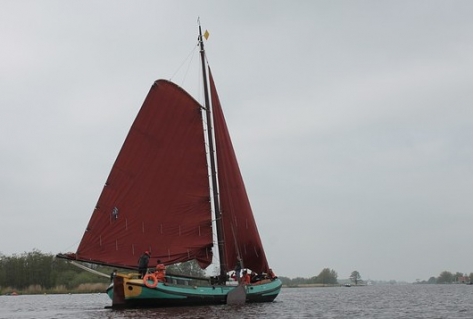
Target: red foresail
[(157, 194), (240, 230)]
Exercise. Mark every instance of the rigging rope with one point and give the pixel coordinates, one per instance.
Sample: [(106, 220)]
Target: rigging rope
[(189, 58)]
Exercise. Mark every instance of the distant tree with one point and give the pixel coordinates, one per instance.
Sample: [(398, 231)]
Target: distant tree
[(2, 268), (327, 276), (457, 275), (445, 278), (65, 278), (285, 280), (189, 268), (432, 280), (85, 277), (38, 268), (355, 277), (313, 280), (298, 281)]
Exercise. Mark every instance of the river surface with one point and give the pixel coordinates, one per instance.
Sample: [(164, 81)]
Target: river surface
[(397, 301)]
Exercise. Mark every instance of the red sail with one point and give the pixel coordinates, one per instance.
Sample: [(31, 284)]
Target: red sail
[(240, 231), (157, 194)]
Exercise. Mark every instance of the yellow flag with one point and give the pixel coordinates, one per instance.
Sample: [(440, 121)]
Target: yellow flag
[(206, 34)]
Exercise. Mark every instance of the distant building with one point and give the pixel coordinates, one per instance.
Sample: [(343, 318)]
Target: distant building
[(464, 279)]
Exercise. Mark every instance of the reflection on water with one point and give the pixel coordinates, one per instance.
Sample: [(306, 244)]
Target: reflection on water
[(410, 301)]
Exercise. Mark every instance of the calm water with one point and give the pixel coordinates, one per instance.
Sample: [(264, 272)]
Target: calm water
[(410, 301)]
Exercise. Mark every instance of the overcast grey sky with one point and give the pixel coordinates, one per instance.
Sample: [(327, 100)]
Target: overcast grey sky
[(352, 121)]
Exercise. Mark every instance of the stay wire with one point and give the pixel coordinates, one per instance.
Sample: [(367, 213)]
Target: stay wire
[(188, 59)]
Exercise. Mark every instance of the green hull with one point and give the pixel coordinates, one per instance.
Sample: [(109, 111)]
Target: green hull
[(132, 293)]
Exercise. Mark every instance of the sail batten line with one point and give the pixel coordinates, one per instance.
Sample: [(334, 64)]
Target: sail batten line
[(255, 250)]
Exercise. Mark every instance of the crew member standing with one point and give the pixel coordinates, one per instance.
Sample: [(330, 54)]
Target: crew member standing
[(238, 269), (143, 263)]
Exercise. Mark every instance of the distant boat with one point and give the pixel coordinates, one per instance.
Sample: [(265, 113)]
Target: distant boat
[(347, 285), (158, 198), (13, 293)]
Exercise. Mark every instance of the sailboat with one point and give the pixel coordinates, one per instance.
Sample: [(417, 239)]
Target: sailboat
[(175, 175)]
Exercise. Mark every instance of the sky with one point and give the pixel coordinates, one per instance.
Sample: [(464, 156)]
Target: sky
[(352, 121)]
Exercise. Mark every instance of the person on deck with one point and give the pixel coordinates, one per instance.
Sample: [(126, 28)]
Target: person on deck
[(112, 275), (245, 278), (254, 277), (271, 274), (143, 263), (238, 269), (160, 271)]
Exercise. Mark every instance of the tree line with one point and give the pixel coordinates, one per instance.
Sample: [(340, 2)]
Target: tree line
[(326, 277), (37, 272), (329, 277), (446, 277)]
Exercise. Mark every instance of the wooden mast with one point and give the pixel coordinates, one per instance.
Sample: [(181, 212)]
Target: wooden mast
[(210, 135)]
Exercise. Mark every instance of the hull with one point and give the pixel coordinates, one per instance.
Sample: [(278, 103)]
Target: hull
[(127, 292)]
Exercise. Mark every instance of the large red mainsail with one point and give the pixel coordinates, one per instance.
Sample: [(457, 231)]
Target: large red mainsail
[(240, 230), (156, 197)]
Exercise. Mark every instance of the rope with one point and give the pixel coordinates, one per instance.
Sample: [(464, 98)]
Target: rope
[(89, 269), (191, 54)]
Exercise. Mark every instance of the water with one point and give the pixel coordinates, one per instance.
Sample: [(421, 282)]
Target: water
[(410, 301)]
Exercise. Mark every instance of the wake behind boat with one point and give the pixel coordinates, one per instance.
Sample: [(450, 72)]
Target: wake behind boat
[(159, 198)]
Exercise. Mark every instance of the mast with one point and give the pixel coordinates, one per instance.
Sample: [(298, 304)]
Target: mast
[(210, 135)]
